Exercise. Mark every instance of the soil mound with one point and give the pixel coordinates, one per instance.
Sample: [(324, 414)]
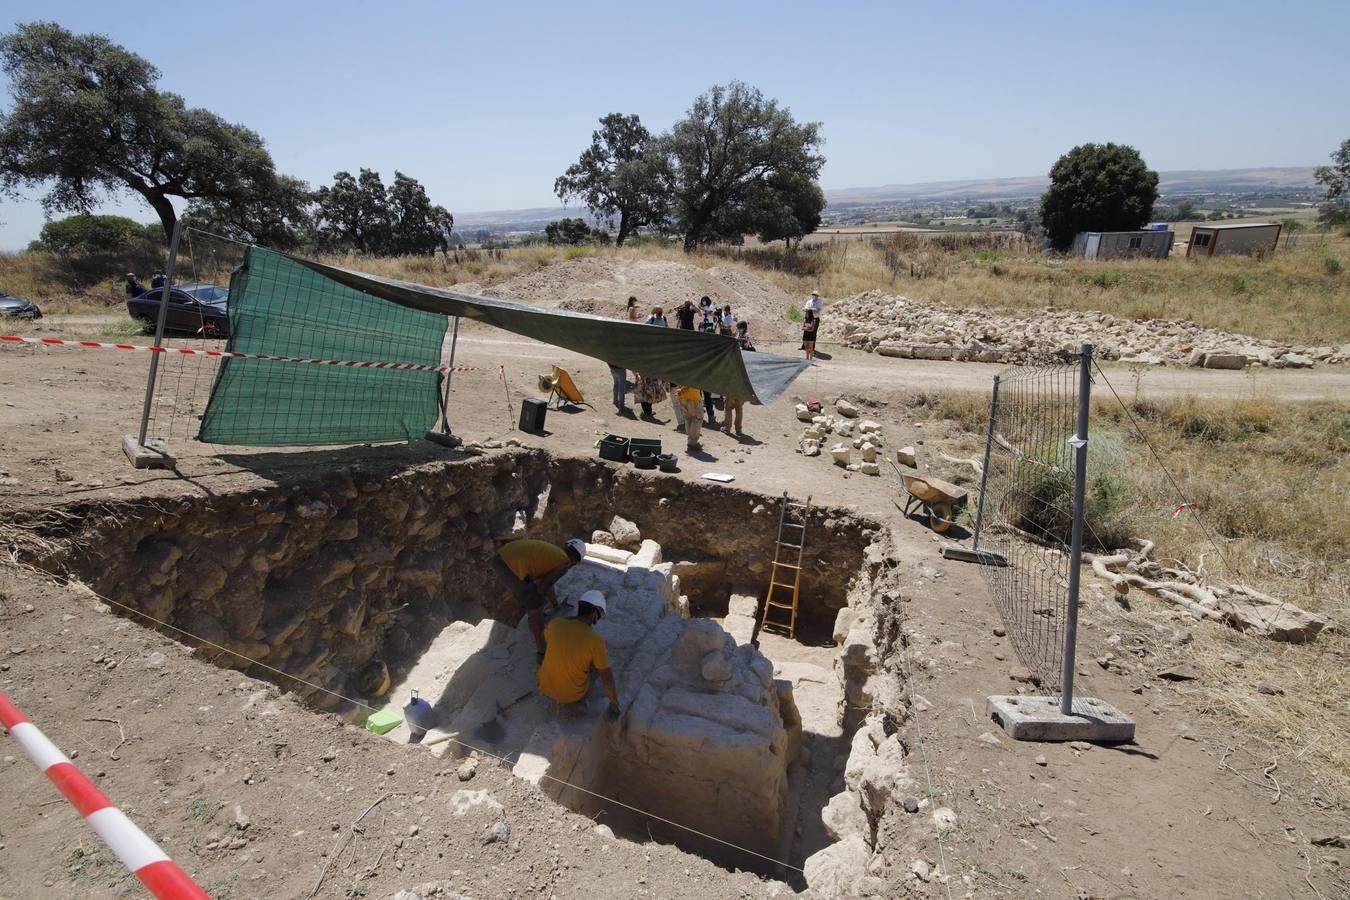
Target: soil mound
[(602, 286)]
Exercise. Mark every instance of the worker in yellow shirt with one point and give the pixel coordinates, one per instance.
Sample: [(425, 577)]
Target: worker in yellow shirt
[(574, 648), (530, 569), (691, 406)]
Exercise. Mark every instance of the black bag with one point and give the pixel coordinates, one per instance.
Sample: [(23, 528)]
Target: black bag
[(532, 412)]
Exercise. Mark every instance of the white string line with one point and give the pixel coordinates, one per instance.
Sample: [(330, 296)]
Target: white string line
[(453, 740)]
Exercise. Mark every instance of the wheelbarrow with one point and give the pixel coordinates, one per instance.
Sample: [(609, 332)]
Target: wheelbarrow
[(940, 500)]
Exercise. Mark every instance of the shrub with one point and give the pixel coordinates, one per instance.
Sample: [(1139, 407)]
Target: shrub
[(1331, 265), (1104, 278), (793, 313)]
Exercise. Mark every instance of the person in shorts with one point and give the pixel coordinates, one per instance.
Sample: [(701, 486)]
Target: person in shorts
[(530, 569)]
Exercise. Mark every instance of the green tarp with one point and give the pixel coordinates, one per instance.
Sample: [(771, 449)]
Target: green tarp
[(284, 306), (280, 308)]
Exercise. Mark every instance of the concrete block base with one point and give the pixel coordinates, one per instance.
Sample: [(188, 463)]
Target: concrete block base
[(445, 439), (1039, 719), (155, 454)]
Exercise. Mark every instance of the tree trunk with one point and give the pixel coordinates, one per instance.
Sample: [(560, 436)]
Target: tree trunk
[(623, 229), (164, 209)]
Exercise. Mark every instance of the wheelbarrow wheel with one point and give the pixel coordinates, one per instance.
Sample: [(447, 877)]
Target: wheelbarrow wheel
[(940, 516)]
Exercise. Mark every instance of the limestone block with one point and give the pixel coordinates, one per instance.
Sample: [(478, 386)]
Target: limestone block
[(846, 409), (843, 621), (814, 433), (603, 538), (648, 556), (1197, 359), (1225, 361), (803, 414), (832, 871), (840, 454), (895, 349), (869, 452), (870, 468), (810, 448), (843, 816), (905, 457), (867, 426), (626, 534), (1297, 361), (933, 351), (844, 429), (716, 667), (608, 554)]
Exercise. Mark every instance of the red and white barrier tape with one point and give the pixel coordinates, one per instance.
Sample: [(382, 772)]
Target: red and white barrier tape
[(137, 852), (1183, 506), (222, 354)]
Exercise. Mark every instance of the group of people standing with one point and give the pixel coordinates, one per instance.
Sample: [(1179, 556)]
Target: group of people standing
[(690, 403), (135, 288)]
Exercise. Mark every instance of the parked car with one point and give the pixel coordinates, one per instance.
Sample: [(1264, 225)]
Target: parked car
[(18, 307), (193, 308)]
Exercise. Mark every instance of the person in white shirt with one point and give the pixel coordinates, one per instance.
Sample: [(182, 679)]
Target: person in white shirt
[(815, 304)]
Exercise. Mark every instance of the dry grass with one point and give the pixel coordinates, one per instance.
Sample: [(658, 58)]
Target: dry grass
[(1272, 481), (1300, 294)]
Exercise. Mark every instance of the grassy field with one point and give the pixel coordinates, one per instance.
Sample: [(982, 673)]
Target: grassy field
[(1271, 483), (1300, 294)]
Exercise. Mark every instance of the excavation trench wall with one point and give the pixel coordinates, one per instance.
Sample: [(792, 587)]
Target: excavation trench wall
[(321, 577)]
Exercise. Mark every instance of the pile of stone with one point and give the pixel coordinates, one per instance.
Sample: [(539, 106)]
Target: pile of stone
[(843, 425), (892, 325)]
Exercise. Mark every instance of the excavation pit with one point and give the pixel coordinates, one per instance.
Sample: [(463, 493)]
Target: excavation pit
[(365, 570)]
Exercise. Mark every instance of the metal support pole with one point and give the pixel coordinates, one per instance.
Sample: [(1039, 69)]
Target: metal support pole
[(984, 474), (450, 373), (159, 331), (1080, 445), (443, 436)]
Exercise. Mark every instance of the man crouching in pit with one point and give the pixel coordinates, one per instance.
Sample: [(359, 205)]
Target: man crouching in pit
[(530, 569), (574, 648)]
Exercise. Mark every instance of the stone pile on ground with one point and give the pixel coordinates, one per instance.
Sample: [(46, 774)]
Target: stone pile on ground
[(851, 433), (891, 325)]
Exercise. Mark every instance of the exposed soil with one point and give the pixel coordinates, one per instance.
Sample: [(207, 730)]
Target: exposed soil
[(1159, 819)]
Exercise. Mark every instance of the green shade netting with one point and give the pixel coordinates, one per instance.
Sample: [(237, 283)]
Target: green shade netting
[(281, 308)]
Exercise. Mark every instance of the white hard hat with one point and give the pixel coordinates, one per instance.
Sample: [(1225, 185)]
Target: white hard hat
[(577, 545), (594, 598)]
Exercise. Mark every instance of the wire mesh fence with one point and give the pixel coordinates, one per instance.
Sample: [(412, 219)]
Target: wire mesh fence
[(1031, 511)]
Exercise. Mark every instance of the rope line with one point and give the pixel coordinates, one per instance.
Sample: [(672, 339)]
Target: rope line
[(453, 740), (1181, 495)]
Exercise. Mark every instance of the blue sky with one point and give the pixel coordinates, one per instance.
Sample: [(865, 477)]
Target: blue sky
[(486, 103)]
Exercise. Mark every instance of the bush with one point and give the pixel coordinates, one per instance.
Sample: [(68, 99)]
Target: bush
[(793, 313), (1331, 265), (91, 234), (1104, 278)]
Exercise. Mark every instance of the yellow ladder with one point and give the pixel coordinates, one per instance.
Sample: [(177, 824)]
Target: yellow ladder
[(786, 576)]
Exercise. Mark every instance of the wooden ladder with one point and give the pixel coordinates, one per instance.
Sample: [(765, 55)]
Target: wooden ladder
[(791, 539)]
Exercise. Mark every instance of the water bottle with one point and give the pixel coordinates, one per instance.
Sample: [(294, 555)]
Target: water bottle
[(419, 716)]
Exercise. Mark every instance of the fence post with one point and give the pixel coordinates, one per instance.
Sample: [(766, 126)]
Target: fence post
[(155, 455), (984, 474), (1080, 445)]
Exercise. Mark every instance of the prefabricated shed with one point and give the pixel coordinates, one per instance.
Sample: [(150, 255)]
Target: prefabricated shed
[(1123, 244), (1239, 237)]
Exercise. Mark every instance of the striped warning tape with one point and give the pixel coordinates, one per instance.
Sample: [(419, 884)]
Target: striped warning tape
[(136, 851), (224, 354)]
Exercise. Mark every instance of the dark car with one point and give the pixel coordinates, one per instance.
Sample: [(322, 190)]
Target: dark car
[(193, 308), (18, 307)]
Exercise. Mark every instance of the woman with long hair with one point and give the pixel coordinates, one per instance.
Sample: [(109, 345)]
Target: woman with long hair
[(810, 325)]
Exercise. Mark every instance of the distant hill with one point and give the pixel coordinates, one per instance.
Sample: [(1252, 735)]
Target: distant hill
[(1189, 180), (1179, 182)]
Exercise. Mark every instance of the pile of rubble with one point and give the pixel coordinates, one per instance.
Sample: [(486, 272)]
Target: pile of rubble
[(867, 440), (919, 329)]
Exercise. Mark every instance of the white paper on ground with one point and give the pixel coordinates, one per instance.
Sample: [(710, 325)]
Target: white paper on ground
[(718, 476)]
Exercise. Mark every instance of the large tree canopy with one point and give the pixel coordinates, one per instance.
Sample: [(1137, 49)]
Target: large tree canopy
[(1097, 187), (87, 120), (359, 213), (1336, 179), (90, 234), (281, 218), (617, 176), (731, 144)]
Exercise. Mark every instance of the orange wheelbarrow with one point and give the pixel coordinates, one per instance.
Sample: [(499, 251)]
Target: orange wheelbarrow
[(941, 500)]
